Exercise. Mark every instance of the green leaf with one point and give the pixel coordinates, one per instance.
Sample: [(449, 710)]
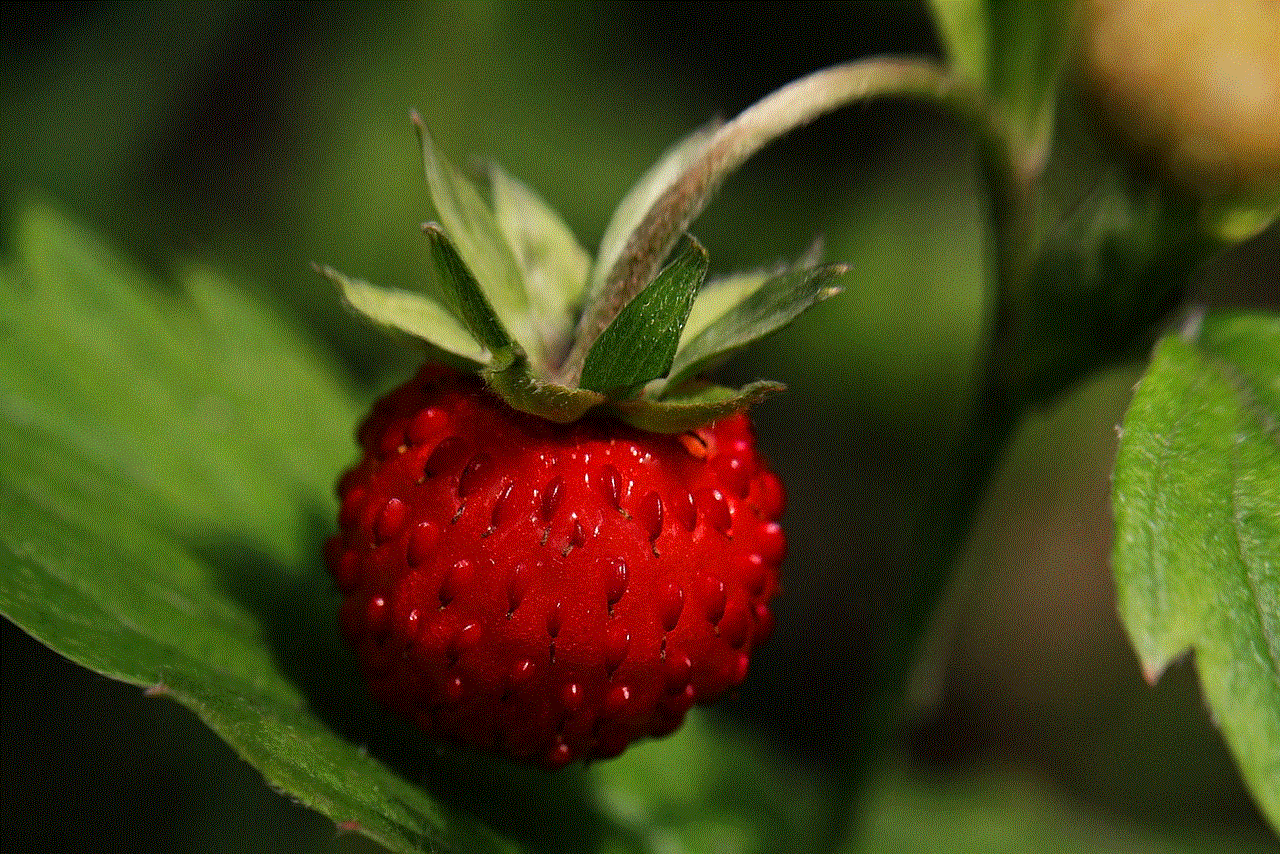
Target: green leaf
[(691, 406), (165, 466), (641, 197), (480, 242), (640, 343), (554, 264), (771, 307), (1197, 511), (452, 280), (1237, 220), (1014, 51), (415, 314)]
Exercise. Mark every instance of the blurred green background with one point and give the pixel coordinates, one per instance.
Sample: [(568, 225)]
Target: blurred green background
[(262, 137)]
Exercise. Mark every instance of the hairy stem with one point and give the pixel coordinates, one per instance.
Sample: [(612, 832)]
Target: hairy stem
[(790, 107)]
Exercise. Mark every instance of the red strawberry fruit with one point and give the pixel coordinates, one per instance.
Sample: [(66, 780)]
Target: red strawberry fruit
[(562, 541), (553, 591)]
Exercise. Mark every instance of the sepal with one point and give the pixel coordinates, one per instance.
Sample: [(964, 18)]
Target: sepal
[(414, 314), (635, 205), (766, 310), (718, 295), (554, 265), (512, 379), (640, 344), (691, 406), (461, 294), (480, 242)]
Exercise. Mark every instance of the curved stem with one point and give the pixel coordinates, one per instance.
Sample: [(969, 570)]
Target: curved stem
[(790, 107)]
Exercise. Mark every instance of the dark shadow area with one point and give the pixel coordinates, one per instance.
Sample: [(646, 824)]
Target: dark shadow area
[(857, 483), (297, 608), (88, 764)]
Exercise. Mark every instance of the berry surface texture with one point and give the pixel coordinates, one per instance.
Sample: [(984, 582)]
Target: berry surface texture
[(550, 591)]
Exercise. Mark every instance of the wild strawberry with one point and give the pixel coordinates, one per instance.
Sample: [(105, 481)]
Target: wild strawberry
[(564, 553), (553, 591)]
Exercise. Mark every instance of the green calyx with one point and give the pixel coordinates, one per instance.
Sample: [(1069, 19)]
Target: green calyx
[(510, 294)]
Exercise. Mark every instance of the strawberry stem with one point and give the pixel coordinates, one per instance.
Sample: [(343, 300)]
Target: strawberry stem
[(790, 107)]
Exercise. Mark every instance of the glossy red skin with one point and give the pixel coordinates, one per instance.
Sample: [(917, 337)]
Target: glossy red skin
[(551, 592)]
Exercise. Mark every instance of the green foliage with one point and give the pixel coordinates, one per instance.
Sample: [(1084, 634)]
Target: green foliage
[(1115, 261), (693, 405), (631, 211), (1197, 505), (150, 506), (140, 499), (1014, 51), (554, 264), (1093, 254), (459, 290), (717, 295), (167, 448), (998, 812), (524, 250), (512, 377)]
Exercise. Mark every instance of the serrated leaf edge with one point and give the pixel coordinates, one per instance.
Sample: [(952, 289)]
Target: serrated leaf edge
[(1239, 709)]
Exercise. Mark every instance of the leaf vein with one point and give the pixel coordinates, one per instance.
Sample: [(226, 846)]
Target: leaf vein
[(1248, 569)]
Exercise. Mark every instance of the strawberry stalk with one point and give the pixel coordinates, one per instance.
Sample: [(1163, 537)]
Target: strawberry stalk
[(511, 295), (776, 115)]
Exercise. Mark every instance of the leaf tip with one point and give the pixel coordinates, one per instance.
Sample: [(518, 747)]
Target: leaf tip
[(829, 291), (330, 273), (1152, 672), (1190, 329)]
